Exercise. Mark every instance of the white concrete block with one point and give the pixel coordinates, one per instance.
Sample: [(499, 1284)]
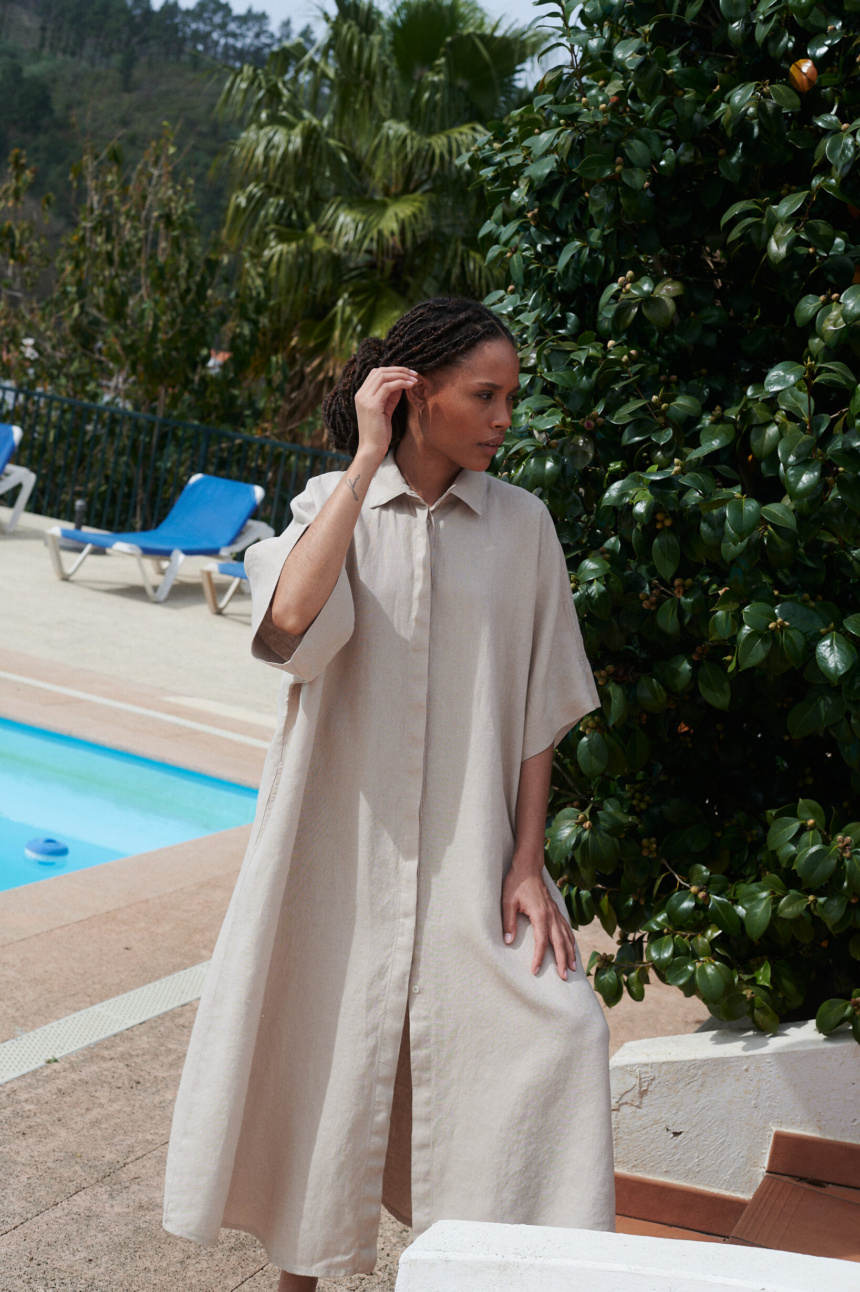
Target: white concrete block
[(466, 1256), (701, 1109)]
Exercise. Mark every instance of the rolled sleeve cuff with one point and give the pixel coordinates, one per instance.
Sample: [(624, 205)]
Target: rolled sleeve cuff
[(303, 657), (328, 633)]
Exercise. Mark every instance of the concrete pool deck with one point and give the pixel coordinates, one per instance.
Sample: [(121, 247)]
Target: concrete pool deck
[(83, 1140)]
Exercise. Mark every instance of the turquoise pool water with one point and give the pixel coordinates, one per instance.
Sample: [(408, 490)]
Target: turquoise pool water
[(102, 803)]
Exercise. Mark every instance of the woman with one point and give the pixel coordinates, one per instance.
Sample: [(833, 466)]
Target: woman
[(394, 1008)]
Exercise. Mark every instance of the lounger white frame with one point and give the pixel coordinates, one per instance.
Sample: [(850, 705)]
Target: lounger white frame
[(12, 476), (168, 568), (215, 603)]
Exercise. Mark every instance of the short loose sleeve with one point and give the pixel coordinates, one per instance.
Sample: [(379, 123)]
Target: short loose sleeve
[(303, 657), (561, 686)]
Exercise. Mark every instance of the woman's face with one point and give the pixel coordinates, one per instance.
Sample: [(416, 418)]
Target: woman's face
[(462, 412)]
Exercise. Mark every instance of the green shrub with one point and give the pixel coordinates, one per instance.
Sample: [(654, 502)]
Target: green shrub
[(682, 235)]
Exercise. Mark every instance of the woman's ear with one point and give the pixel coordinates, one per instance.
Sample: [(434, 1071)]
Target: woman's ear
[(416, 395)]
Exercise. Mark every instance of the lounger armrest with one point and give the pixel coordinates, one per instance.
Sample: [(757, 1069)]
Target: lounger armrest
[(254, 530)]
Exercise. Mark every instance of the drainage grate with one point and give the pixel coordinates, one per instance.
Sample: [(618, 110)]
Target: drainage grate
[(86, 1027)]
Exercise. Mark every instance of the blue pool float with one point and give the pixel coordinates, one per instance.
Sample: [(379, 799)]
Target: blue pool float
[(47, 851)]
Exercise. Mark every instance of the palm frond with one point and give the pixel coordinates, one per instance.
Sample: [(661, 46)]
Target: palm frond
[(358, 225), (348, 189), (292, 154), (399, 155)]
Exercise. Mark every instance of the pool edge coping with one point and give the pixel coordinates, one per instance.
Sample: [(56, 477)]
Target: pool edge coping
[(52, 903)]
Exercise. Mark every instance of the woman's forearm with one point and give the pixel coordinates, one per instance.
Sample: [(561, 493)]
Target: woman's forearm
[(312, 568), (532, 801)]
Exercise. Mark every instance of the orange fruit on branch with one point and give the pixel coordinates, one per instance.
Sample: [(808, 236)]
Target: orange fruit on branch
[(803, 74)]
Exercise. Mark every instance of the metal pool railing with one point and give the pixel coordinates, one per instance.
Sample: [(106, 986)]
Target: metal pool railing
[(129, 468)]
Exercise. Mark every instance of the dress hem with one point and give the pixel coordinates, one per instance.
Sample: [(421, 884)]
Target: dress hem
[(320, 1270)]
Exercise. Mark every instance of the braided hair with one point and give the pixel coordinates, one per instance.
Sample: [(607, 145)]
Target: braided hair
[(429, 336)]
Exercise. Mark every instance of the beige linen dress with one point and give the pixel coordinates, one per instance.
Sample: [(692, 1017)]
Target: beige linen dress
[(369, 898)]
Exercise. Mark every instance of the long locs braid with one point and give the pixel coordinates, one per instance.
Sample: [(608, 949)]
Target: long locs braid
[(430, 335)]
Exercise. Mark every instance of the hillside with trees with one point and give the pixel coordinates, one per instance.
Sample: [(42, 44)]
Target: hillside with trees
[(106, 70)]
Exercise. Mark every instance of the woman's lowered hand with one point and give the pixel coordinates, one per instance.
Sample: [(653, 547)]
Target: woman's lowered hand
[(525, 893)]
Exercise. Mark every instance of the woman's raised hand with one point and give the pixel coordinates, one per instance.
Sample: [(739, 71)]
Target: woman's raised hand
[(375, 401)]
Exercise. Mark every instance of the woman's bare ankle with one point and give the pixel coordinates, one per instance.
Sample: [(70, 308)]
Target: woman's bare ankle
[(296, 1283)]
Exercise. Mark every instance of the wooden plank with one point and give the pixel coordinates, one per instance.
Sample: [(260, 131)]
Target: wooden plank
[(630, 1225), (677, 1205), (791, 1217), (835, 1190), (809, 1157)]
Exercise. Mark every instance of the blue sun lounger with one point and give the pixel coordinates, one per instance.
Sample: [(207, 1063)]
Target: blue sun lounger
[(11, 475), (211, 517), (232, 570)]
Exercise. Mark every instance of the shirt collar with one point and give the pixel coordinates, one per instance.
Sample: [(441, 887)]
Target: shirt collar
[(388, 483)]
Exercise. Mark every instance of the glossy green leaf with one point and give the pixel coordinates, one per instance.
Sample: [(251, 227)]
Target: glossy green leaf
[(609, 984), (765, 1018), (793, 904), (806, 310), (753, 647), (782, 376), (835, 656), (832, 1014), (725, 914), (757, 917), (714, 685), (809, 810), (778, 513), (785, 97), (712, 980), (680, 971), (851, 305), (592, 754), (680, 907), (743, 515), (662, 951), (816, 866), (783, 829), (651, 695), (666, 553)]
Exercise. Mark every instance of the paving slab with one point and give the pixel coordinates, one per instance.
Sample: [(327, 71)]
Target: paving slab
[(83, 1144), (49, 975), (102, 620)]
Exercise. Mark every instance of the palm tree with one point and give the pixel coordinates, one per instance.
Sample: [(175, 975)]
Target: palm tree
[(347, 195)]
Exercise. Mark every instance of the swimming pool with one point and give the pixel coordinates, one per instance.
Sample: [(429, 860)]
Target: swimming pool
[(101, 803)]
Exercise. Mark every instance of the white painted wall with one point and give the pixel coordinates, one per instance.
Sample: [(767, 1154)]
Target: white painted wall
[(701, 1109), (465, 1256)]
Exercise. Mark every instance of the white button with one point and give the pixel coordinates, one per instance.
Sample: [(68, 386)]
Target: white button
[(416, 990)]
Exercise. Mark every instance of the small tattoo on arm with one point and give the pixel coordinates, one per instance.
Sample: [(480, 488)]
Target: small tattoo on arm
[(352, 484)]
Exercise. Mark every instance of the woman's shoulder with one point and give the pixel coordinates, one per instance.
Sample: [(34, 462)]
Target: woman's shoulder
[(510, 500), (321, 487), (326, 482)]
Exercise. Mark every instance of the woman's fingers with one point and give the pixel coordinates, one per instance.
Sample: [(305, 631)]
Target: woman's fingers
[(376, 398), (379, 377), (563, 944), (539, 927), (549, 927), (509, 920)]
